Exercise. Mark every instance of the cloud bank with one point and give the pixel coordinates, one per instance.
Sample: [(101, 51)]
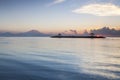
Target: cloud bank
[(107, 31), (99, 10)]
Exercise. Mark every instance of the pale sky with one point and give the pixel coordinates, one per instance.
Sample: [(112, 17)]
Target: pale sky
[(58, 15)]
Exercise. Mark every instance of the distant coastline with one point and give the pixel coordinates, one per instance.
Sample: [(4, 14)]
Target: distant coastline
[(31, 33), (105, 31), (78, 37)]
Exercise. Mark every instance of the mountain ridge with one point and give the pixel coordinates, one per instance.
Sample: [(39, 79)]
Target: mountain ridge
[(31, 33), (105, 31)]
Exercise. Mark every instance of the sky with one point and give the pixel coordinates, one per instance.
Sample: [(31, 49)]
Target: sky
[(58, 15)]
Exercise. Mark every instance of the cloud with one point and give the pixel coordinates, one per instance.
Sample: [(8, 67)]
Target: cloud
[(74, 31), (56, 2), (106, 31), (99, 10)]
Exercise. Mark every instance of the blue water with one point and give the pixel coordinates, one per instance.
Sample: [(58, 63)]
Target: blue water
[(37, 58)]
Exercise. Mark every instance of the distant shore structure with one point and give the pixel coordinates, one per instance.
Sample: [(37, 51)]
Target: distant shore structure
[(92, 35)]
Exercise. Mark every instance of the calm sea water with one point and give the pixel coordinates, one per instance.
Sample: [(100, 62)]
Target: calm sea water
[(36, 58)]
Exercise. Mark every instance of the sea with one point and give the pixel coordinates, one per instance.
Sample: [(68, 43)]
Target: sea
[(45, 58)]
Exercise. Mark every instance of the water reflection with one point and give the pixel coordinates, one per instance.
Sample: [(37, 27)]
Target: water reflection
[(59, 59)]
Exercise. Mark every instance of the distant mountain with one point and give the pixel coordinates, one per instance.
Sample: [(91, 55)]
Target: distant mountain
[(31, 33), (6, 34), (106, 31)]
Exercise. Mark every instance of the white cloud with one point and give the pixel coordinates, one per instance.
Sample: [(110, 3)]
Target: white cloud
[(56, 2), (99, 10)]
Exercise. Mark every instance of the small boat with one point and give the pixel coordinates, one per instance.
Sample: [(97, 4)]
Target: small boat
[(91, 36)]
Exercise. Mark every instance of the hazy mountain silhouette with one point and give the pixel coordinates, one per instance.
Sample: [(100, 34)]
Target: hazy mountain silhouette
[(106, 31), (31, 33), (6, 34)]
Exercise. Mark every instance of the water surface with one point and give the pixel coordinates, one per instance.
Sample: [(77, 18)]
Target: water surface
[(36, 58)]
